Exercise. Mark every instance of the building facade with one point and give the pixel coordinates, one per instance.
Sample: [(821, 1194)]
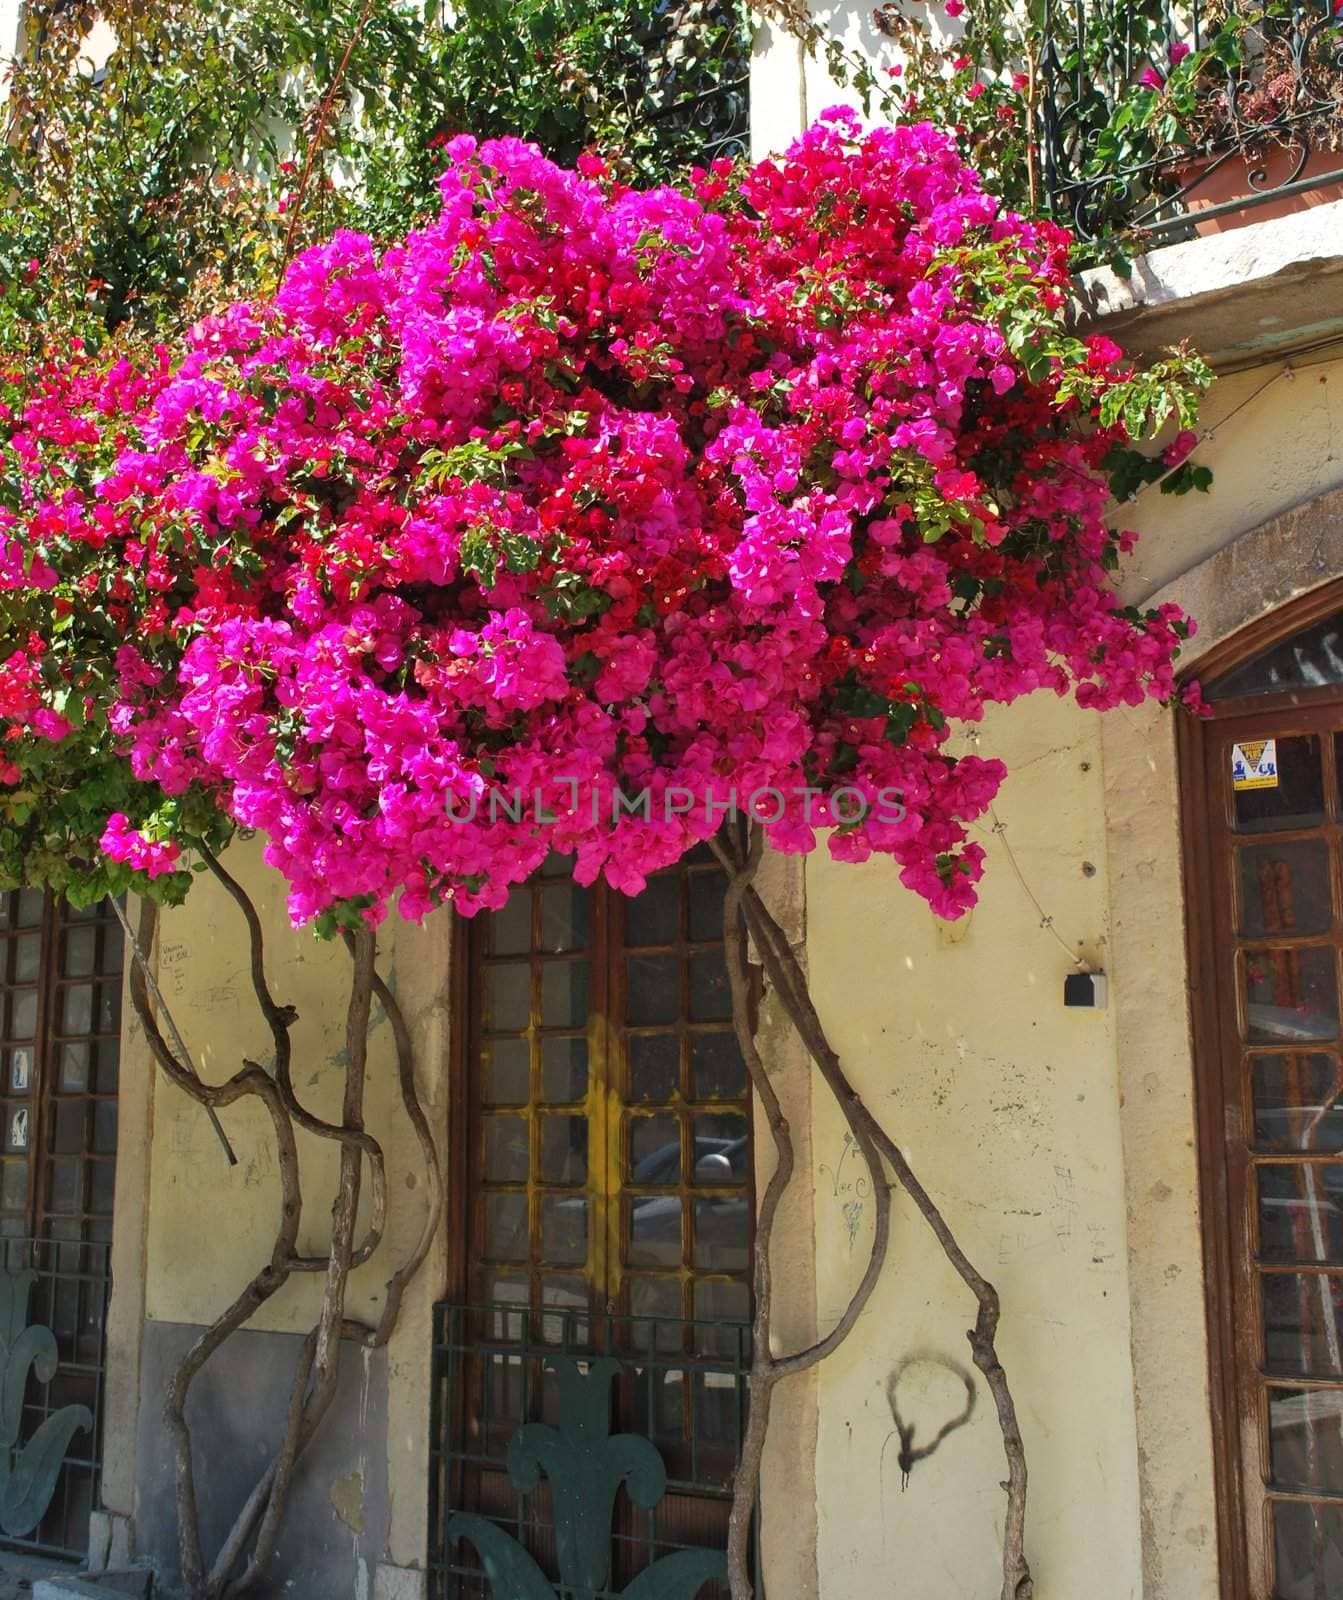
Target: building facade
[(1154, 1180)]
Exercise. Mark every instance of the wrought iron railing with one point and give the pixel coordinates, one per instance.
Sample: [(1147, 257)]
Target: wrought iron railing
[(582, 1457), (1147, 110), (53, 1325)]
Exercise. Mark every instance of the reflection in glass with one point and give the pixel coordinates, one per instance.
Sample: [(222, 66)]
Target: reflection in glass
[(28, 958), (1298, 799), (23, 1014), (1295, 1105), (564, 1149), (564, 1295), (1303, 1324), (1290, 995), (506, 1150), (506, 1227), (720, 1148), (722, 1233), (564, 1229), (564, 994), (508, 996), (1311, 659), (655, 1149), (655, 1297), (564, 1069), (1284, 888), (79, 953), (1308, 1546), (508, 1072), (564, 917), (511, 925), (1300, 1217), (654, 1237), (1306, 1439)]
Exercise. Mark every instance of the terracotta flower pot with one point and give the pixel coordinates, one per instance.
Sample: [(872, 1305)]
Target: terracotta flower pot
[(1231, 181)]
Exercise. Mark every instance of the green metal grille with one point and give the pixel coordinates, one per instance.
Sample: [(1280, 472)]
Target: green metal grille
[(681, 1385)]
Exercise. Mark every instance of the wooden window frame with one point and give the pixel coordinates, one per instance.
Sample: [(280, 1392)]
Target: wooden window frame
[(1242, 1521)]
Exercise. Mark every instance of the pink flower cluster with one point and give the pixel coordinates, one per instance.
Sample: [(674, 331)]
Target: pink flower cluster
[(581, 489), (123, 843)]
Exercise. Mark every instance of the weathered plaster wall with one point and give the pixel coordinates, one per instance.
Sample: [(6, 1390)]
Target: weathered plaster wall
[(191, 1230), (1005, 1103)]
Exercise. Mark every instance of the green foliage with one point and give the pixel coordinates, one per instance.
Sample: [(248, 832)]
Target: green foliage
[(218, 136)]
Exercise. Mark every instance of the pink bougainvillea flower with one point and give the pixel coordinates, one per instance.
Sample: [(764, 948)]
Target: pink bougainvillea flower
[(1180, 448)]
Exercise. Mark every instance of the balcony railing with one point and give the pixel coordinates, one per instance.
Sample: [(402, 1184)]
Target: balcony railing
[(1151, 115), (573, 1452)]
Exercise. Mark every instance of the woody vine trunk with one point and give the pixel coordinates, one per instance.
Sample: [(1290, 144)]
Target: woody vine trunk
[(242, 1558), (745, 914)]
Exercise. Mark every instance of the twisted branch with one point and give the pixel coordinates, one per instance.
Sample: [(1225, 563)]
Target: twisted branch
[(789, 982)]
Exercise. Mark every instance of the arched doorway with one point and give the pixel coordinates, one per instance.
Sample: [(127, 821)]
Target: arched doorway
[(1263, 822)]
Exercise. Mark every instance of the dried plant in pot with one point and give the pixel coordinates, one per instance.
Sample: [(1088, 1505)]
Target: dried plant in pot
[(1265, 115)]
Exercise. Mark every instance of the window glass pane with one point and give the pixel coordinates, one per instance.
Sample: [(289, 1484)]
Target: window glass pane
[(506, 1237), (564, 1229), (105, 1127), (717, 1070), (564, 994), (566, 1299), (564, 1069), (722, 1300), (1300, 1533), (564, 1149), (108, 1063), (1295, 1105), (722, 1233), (707, 893), (653, 989), (655, 1065), (109, 1007), (511, 927), (80, 949), (14, 1185), (68, 1129), (508, 996), (29, 911), (1297, 799), (720, 1148), (506, 1150), (77, 1008), (1290, 995), (1300, 1217), (655, 1298), (1284, 888), (75, 1065), (653, 1235), (654, 916), (1310, 659), (654, 1149), (564, 917), (18, 1128), (1303, 1323), (27, 957), (1306, 1438), (508, 1072), (710, 997), (23, 1014), (113, 940)]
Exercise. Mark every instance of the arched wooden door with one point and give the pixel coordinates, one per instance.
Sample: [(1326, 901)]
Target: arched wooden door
[(1263, 815)]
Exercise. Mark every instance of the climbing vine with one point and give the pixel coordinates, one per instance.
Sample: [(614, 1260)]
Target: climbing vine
[(582, 518)]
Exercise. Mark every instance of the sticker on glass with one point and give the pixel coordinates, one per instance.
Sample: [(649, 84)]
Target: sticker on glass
[(18, 1070), (1254, 764), (18, 1129)]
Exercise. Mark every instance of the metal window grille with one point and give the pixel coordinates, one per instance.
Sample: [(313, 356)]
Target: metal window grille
[(682, 1385)]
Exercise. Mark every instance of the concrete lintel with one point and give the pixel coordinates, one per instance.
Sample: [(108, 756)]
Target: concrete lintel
[(1252, 293)]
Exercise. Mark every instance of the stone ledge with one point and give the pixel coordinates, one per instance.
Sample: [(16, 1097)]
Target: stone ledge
[(1247, 295)]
